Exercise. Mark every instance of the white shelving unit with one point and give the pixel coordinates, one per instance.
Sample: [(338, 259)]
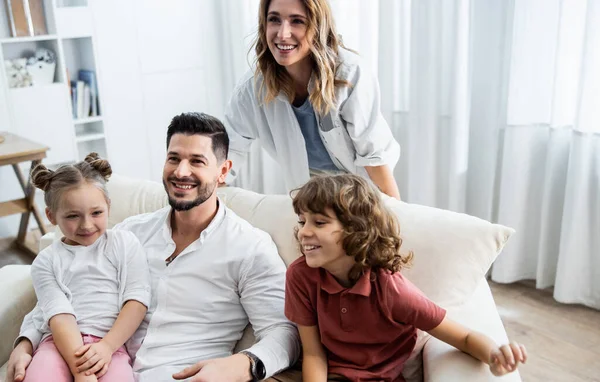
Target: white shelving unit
[(44, 113)]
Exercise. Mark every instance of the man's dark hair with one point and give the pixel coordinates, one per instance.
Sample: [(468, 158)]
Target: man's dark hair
[(202, 124)]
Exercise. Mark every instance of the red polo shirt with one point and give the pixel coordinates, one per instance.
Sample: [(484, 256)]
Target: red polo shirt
[(368, 330)]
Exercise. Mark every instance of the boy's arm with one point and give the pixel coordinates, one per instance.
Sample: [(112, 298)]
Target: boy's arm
[(314, 360), (502, 360)]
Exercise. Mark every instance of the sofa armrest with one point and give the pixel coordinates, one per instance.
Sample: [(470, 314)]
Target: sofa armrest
[(441, 362), (18, 300), (46, 240)]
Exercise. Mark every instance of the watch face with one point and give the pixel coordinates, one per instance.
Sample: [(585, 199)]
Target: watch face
[(260, 369)]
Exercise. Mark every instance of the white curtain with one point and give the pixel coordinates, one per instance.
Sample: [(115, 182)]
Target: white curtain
[(496, 105)]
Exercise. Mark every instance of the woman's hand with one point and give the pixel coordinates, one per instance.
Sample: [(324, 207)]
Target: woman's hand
[(93, 358), (506, 358)]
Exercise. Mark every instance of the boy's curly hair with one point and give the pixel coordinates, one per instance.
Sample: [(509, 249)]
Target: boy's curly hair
[(371, 232)]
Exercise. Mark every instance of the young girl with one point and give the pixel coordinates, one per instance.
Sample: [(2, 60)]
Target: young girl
[(310, 102), (93, 285), (357, 316)]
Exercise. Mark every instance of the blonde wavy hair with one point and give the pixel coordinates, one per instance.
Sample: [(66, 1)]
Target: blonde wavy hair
[(324, 49), (371, 233)]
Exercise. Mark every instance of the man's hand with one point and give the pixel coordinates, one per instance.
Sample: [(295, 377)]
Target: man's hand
[(19, 359), (94, 358), (235, 368)]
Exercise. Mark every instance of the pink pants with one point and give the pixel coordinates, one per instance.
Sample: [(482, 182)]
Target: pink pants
[(49, 365)]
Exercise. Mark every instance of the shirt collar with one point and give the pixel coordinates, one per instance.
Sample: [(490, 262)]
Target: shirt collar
[(74, 249), (215, 222), (330, 285)]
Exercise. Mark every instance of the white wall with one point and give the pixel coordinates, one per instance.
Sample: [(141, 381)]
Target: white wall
[(153, 59)]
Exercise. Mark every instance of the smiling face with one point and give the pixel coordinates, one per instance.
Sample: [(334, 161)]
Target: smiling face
[(320, 238), (82, 214), (192, 171), (286, 32)]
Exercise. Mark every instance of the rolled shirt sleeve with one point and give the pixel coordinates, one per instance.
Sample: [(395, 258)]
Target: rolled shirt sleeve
[(262, 290), (137, 280), (52, 299), (371, 135), (29, 330), (240, 116)]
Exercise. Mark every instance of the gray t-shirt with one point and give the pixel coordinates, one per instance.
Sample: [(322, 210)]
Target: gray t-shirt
[(318, 156)]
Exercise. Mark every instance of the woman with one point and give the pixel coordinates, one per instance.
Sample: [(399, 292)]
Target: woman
[(310, 102)]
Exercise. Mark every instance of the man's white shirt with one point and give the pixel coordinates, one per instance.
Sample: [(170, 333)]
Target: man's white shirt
[(202, 302)]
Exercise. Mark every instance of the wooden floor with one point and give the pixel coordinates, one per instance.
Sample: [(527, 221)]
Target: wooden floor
[(563, 341), (10, 254)]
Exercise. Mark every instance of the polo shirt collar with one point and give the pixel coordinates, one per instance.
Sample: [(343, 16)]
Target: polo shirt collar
[(362, 287)]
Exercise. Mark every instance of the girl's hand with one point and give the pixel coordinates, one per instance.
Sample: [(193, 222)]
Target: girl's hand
[(94, 358), (506, 358), (85, 378)]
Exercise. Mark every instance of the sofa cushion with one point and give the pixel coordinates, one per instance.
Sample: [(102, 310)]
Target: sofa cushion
[(131, 197), (452, 251), (17, 300)]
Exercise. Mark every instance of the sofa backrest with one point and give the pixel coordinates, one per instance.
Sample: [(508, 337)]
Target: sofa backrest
[(452, 251)]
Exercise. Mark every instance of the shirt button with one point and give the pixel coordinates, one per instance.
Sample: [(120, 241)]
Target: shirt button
[(344, 310)]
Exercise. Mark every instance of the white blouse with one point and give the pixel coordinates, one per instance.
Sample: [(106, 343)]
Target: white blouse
[(354, 132)]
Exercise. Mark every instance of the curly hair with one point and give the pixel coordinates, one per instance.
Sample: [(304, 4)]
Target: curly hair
[(371, 233), (92, 169), (324, 50)]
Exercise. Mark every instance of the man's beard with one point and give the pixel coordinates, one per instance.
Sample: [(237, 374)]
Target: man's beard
[(204, 190)]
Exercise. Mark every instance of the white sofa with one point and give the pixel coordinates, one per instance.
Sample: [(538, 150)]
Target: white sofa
[(452, 254)]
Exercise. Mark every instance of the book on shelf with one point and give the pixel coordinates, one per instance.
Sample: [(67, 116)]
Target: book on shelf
[(80, 96), (26, 17), (84, 95)]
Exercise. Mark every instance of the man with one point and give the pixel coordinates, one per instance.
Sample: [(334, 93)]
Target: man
[(212, 273)]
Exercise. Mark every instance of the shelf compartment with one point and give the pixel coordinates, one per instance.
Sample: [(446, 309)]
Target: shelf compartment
[(91, 146), (79, 54), (90, 137), (48, 14), (16, 40), (26, 47), (89, 131), (71, 3), (83, 121)]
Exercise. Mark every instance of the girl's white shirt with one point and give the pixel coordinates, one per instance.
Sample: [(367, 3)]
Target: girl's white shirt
[(354, 131), (92, 283)]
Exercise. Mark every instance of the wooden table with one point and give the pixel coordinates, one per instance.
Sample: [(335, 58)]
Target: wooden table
[(15, 150)]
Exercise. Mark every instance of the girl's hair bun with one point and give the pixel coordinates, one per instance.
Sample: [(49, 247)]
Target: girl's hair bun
[(41, 177), (99, 164)]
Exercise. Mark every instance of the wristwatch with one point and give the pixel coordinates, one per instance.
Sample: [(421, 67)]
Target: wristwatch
[(257, 367)]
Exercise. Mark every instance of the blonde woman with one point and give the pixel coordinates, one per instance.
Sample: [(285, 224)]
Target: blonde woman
[(310, 102)]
